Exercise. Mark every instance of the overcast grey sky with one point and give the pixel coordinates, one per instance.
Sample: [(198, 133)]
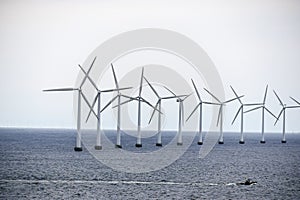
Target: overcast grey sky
[(252, 43)]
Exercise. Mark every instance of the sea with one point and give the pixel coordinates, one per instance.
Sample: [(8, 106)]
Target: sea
[(42, 164)]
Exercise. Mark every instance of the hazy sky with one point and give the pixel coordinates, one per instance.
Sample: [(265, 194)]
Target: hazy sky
[(252, 43)]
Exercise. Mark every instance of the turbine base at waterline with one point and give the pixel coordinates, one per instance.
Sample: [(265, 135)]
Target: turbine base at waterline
[(241, 142), (262, 141), (118, 146), (138, 145), (221, 142), (97, 147), (77, 148), (159, 144), (200, 143), (283, 141)]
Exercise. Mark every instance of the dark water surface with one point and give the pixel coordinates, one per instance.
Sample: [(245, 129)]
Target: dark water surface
[(41, 163)]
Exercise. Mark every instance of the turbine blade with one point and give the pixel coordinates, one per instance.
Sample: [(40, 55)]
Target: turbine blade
[(210, 103), (87, 102), (278, 116), (113, 90), (87, 73), (253, 104), (237, 113), (115, 77), (110, 102), (292, 107), (90, 79), (212, 95), (265, 97), (152, 88), (94, 102), (295, 100), (153, 112), (60, 89), (253, 109), (141, 83), (172, 97), (197, 92), (170, 90), (236, 94), (128, 97), (124, 102), (278, 98), (270, 112), (193, 112), (234, 99), (187, 96), (145, 101)]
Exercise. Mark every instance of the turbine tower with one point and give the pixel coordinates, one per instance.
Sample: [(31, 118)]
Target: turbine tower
[(80, 94), (180, 115), (200, 141), (263, 108), (118, 97), (220, 115), (241, 112), (98, 145), (158, 104), (283, 113)]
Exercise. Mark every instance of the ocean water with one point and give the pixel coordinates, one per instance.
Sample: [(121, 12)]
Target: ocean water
[(41, 164)]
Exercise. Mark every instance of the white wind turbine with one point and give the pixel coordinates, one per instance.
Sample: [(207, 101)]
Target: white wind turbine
[(263, 108), (98, 145), (200, 142), (118, 97), (180, 115), (140, 99), (158, 104), (220, 115), (241, 112), (80, 94), (283, 113)]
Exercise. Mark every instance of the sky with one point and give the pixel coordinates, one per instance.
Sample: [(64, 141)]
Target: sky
[(251, 43)]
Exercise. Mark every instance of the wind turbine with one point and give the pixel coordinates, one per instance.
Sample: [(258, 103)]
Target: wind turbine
[(283, 112), (98, 145), (263, 108), (80, 94), (220, 115), (158, 104), (180, 115), (200, 142), (140, 99), (241, 112), (118, 97)]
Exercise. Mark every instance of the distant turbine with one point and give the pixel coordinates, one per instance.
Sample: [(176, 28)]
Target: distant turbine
[(241, 110), (180, 115), (118, 96), (200, 142), (263, 108), (80, 94), (283, 112), (140, 99), (158, 104), (220, 115), (98, 145)]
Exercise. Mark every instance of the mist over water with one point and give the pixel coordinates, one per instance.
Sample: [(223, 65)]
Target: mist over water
[(41, 163)]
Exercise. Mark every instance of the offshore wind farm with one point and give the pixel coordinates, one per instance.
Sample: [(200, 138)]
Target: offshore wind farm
[(180, 98)]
